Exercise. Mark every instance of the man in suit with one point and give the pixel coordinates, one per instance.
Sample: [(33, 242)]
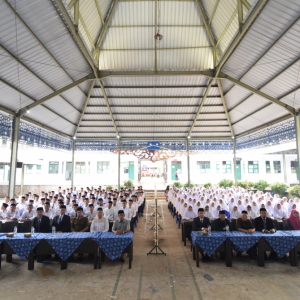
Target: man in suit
[(200, 224), (62, 222), (222, 222), (265, 225), (41, 223)]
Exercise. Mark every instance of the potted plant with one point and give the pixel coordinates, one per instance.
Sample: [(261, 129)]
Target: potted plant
[(128, 184), (278, 188), (226, 183)]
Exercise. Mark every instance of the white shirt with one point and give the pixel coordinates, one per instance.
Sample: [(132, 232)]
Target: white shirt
[(99, 225)]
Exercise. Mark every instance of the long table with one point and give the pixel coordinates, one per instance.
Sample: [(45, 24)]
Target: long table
[(65, 244), (281, 242)]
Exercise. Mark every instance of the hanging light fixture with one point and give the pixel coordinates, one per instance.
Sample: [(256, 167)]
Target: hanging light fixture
[(158, 36)]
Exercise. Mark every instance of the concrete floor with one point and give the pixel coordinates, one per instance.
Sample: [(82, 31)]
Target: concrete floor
[(174, 276), (149, 183)]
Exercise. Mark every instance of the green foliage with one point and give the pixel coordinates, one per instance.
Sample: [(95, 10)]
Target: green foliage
[(206, 185), (109, 187), (226, 183), (279, 188), (128, 184), (294, 191), (178, 184), (121, 186), (246, 184), (191, 185), (261, 185)]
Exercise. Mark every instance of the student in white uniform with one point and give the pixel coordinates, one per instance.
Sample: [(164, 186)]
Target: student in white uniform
[(109, 212), (99, 223), (28, 214), (127, 210), (91, 214), (12, 213), (3, 210), (22, 205), (48, 212)]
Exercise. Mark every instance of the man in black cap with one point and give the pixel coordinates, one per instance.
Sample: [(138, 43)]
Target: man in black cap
[(200, 223), (222, 222), (41, 223), (121, 226), (62, 222), (243, 224), (80, 223), (3, 210)]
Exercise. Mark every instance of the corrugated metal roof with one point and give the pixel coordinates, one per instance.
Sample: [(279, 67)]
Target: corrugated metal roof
[(155, 80), (151, 101), (96, 123), (212, 123), (153, 110), (235, 96)]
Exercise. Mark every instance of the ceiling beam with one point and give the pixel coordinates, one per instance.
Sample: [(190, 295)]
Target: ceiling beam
[(226, 27), (290, 109), (99, 12), (246, 4), (108, 107), (7, 111), (104, 29), (154, 49), (225, 106), (59, 6), (134, 26), (154, 97), (154, 113), (86, 30), (56, 93), (240, 14), (268, 124), (147, 106), (200, 106), (37, 39), (213, 12), (152, 132), (147, 126), (252, 16), (104, 74), (29, 97), (45, 127), (150, 138), (31, 72), (155, 32), (154, 120), (84, 106), (153, 86)]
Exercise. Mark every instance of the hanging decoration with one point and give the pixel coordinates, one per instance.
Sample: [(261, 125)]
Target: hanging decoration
[(154, 155)]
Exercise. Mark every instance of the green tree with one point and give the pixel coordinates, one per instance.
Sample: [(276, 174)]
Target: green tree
[(279, 188), (294, 191)]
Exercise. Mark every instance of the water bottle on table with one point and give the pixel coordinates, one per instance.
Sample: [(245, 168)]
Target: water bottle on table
[(32, 231), (15, 231), (227, 229), (53, 230), (209, 230)]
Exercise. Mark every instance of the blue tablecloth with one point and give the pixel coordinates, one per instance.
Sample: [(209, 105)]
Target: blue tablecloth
[(112, 244), (281, 241)]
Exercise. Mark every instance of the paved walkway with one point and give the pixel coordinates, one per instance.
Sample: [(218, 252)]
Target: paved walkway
[(174, 276)]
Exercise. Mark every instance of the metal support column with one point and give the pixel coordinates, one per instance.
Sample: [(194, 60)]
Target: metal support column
[(119, 147), (73, 164), (284, 167), (188, 160), (13, 157), (297, 130), (22, 179), (234, 164)]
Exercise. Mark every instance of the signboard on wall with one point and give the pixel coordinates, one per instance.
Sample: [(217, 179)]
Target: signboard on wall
[(153, 145)]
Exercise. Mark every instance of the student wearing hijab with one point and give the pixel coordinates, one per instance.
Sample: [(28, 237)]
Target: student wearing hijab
[(293, 222), (207, 212), (183, 209), (235, 214), (251, 213), (240, 206), (216, 211), (190, 214), (279, 213), (291, 207)]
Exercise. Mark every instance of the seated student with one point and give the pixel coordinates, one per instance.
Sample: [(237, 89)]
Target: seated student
[(121, 226), (127, 211), (109, 212), (190, 214), (3, 210), (62, 222), (244, 224), (29, 213), (80, 223), (222, 222), (293, 222), (73, 214), (48, 212), (251, 214), (235, 214), (99, 223), (12, 213), (22, 205), (207, 212), (41, 223), (91, 214)]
